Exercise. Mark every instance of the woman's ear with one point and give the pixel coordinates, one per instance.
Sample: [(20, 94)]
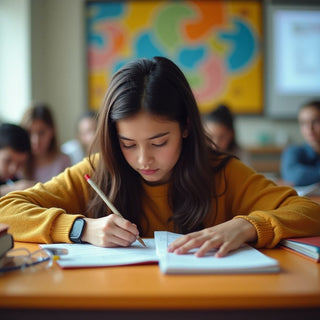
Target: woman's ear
[(185, 131)]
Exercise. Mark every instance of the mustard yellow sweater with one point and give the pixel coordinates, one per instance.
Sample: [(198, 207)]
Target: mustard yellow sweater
[(45, 212)]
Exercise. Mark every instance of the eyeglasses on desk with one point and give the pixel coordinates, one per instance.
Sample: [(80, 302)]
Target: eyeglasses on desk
[(24, 260)]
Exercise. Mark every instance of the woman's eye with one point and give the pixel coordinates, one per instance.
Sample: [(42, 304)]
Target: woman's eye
[(128, 146), (159, 144)]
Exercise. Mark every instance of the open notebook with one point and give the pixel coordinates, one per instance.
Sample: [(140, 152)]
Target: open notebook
[(244, 260)]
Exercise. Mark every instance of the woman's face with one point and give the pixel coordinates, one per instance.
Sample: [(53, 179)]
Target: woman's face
[(151, 145), (41, 136), (309, 121), (220, 134)]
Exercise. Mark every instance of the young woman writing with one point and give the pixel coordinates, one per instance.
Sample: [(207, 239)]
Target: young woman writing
[(159, 169)]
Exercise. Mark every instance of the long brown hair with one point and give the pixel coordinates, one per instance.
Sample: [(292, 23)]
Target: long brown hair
[(158, 87)]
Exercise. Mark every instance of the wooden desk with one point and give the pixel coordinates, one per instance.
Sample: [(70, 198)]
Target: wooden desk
[(143, 292)]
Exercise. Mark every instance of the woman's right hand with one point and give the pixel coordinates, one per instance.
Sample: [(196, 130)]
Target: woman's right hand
[(110, 231)]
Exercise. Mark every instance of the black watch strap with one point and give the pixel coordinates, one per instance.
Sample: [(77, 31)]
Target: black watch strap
[(77, 230)]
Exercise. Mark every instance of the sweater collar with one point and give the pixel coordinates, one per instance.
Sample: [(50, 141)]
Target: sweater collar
[(155, 191)]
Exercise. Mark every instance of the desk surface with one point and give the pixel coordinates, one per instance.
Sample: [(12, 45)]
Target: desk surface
[(144, 287)]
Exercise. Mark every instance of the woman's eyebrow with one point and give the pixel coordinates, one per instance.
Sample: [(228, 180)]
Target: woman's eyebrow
[(159, 135)]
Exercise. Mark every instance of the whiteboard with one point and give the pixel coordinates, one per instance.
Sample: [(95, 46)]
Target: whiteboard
[(292, 58)]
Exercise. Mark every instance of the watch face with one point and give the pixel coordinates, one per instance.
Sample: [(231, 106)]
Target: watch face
[(77, 230)]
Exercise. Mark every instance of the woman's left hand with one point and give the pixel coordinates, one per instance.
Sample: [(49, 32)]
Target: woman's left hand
[(225, 237)]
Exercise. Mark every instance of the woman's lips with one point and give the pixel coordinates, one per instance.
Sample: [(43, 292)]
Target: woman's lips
[(148, 172)]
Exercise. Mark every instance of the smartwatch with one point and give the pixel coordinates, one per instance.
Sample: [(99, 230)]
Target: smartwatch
[(77, 230)]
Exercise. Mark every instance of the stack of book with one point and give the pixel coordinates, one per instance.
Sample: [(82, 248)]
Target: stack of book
[(308, 247), (6, 239)]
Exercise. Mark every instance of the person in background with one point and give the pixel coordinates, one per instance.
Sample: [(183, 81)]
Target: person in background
[(46, 159), (160, 170), (15, 150), (80, 147), (219, 124), (300, 165), (87, 127)]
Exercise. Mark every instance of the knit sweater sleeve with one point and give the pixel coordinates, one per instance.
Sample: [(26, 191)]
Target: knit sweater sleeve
[(275, 211), (45, 212)]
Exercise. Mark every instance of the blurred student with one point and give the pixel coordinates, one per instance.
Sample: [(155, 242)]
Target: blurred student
[(14, 151), (220, 126), (80, 147), (300, 165), (46, 159)]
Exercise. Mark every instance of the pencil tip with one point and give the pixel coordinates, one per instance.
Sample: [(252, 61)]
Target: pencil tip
[(141, 241)]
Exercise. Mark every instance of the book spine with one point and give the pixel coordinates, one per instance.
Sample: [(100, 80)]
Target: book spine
[(299, 253), (6, 243)]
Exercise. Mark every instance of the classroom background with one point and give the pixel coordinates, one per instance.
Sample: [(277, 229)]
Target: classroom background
[(44, 57)]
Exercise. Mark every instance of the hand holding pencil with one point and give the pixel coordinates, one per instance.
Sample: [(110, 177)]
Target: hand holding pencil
[(108, 202)]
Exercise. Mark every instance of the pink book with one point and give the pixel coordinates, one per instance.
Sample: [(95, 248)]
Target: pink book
[(309, 247)]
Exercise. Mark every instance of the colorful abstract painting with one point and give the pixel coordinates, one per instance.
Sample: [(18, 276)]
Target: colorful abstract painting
[(217, 44)]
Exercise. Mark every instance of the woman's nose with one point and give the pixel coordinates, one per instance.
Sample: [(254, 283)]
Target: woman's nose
[(145, 157)]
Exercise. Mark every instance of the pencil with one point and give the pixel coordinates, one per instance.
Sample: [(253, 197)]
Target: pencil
[(108, 202)]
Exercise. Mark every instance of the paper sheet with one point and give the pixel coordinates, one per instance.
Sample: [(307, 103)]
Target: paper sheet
[(87, 255), (244, 260)]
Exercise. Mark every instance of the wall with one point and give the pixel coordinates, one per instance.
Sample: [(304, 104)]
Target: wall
[(14, 57), (59, 59), (261, 130), (58, 65), (43, 58)]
